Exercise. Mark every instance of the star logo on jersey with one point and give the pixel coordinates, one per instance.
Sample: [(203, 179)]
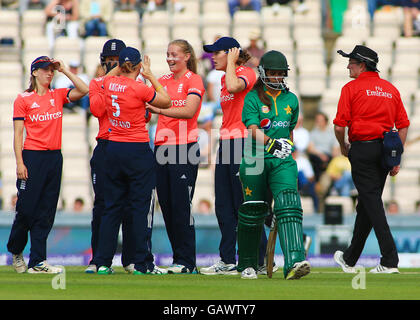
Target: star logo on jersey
[(35, 105), (265, 109), (248, 191), (288, 110)]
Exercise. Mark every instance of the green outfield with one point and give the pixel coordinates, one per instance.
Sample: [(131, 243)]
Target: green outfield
[(322, 283)]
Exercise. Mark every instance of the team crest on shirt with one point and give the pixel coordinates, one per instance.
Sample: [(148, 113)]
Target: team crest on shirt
[(52, 102), (265, 109), (265, 124), (180, 87)]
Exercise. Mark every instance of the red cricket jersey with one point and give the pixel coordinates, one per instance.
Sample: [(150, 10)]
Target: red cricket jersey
[(42, 117), (97, 106), (172, 131), (369, 106), (125, 101), (232, 104)]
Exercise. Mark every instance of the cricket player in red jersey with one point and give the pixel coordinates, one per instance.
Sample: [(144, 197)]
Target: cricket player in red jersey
[(39, 161), (178, 153), (109, 60), (130, 164), (236, 83)]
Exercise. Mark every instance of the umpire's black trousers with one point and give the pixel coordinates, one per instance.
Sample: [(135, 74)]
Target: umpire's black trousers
[(369, 177)]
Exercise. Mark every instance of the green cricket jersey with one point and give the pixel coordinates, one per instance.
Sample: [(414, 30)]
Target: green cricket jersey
[(276, 121)]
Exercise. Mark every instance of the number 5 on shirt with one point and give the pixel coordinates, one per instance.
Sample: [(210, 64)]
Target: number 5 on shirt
[(116, 105)]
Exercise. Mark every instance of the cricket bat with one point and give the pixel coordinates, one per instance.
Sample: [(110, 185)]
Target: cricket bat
[(271, 244)]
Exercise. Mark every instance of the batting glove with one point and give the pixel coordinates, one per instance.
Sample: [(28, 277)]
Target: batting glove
[(280, 148)]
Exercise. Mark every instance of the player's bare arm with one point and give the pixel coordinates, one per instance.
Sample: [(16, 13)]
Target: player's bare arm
[(21, 170), (187, 112), (81, 88), (233, 83)]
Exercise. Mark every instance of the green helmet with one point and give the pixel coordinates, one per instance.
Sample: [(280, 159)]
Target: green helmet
[(273, 60)]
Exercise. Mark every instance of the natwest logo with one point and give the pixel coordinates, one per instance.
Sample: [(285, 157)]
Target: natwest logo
[(45, 116)]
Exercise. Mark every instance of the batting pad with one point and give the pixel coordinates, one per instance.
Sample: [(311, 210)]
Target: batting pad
[(251, 217), (289, 224)]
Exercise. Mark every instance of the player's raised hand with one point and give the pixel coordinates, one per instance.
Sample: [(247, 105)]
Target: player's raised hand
[(59, 65), (233, 55), (146, 71)]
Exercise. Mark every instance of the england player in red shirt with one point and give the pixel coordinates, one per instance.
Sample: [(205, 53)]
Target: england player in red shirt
[(177, 153), (130, 165), (236, 83), (39, 161), (109, 60)]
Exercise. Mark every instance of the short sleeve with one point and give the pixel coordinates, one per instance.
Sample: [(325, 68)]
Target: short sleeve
[(250, 113), (19, 108), (342, 117), (196, 86)]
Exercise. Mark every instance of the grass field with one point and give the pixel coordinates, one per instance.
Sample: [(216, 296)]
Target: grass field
[(320, 284)]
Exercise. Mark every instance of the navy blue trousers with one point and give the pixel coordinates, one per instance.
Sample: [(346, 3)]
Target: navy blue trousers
[(97, 165), (129, 182), (177, 168), (229, 197), (37, 203)]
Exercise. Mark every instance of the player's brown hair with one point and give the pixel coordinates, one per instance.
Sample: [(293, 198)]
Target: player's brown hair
[(128, 67), (243, 58), (187, 49)]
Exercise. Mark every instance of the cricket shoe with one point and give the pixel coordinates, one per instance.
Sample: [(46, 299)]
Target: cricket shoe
[(105, 270), (249, 273), (156, 270), (299, 270), (19, 263), (220, 268), (129, 268), (381, 269), (180, 269), (44, 267), (91, 268), (338, 257), (262, 270)]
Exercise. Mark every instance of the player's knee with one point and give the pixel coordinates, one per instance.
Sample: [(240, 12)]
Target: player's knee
[(288, 204), (253, 212)]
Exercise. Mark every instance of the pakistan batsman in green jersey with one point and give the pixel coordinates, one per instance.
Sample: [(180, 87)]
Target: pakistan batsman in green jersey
[(270, 112)]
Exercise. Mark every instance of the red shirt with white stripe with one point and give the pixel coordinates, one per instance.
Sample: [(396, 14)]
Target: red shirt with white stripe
[(232, 104), (172, 131), (42, 117), (369, 106), (125, 101)]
